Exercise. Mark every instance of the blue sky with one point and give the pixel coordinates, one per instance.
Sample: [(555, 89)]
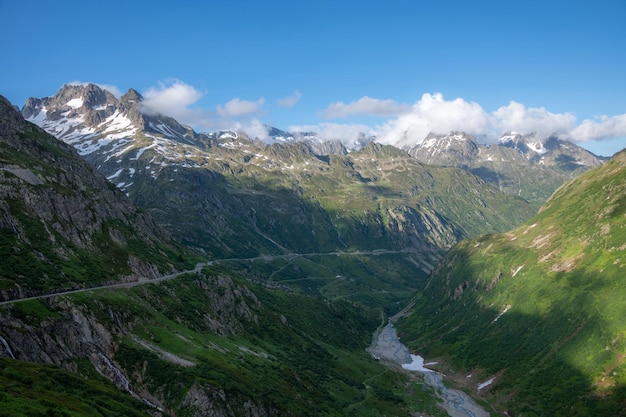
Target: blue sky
[(397, 69)]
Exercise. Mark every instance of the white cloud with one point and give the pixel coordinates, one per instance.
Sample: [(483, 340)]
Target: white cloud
[(365, 106), (346, 133), (254, 129), (171, 100), (291, 100), (515, 117), (406, 125), (110, 88), (179, 100), (237, 108), (604, 128), (434, 114)]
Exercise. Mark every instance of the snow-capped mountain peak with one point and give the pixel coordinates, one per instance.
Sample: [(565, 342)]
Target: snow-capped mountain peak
[(452, 149), (434, 140), (123, 140), (94, 121), (106, 130), (526, 144)]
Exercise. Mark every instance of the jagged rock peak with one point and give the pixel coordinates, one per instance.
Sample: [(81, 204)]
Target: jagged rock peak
[(78, 95), (524, 143), (456, 135), (434, 139), (71, 97), (8, 112), (132, 94)]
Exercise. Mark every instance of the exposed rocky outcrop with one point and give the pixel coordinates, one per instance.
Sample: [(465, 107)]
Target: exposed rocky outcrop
[(202, 400)]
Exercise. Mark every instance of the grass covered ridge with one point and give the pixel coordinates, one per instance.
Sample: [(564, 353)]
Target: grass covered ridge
[(543, 306)]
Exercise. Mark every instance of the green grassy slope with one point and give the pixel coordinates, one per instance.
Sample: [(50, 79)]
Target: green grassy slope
[(35, 390), (542, 307), (215, 342), (283, 199)]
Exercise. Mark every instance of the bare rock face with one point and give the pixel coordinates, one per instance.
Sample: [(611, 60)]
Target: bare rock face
[(72, 333), (231, 306), (73, 97), (207, 401), (60, 340)]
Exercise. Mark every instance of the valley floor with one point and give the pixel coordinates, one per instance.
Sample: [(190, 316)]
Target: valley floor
[(387, 346)]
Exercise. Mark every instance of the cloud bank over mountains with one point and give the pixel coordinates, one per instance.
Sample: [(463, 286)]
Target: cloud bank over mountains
[(401, 123), (365, 105), (432, 113)]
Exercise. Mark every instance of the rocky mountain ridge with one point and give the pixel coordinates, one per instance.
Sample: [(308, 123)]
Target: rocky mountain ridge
[(104, 129), (207, 188), (517, 164)]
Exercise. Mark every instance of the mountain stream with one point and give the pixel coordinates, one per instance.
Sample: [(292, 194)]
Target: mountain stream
[(7, 347), (386, 345)]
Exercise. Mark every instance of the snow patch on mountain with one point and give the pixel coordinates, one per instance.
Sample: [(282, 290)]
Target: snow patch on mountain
[(39, 118), (114, 132), (76, 103), (118, 126), (526, 142), (433, 141), (57, 126), (86, 148), (510, 137), (116, 174), (537, 147)]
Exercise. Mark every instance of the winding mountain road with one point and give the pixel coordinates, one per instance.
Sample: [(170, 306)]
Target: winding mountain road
[(141, 281), (198, 268)]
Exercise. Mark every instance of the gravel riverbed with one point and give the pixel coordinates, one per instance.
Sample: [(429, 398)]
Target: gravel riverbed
[(387, 346)]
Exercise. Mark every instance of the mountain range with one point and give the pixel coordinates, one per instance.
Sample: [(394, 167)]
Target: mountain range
[(517, 164), (103, 127), (207, 189), (261, 270)]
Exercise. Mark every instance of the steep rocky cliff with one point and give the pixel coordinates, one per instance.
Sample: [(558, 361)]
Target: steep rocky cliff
[(71, 331), (63, 225)]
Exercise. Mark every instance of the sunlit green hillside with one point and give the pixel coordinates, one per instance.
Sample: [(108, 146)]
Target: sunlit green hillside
[(543, 307)]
